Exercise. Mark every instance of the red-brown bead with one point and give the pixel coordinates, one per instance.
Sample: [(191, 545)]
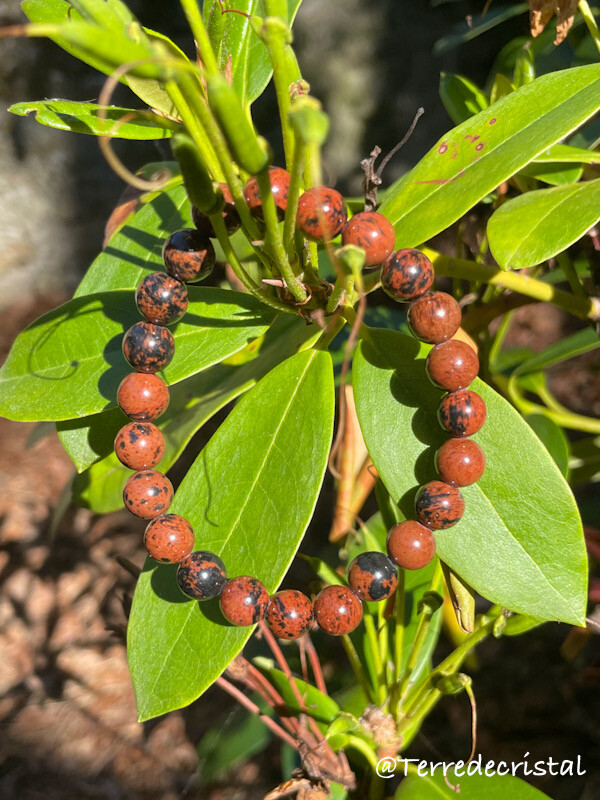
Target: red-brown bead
[(410, 545), (289, 614), (148, 347), (188, 255), (439, 505), (231, 218), (202, 575), (406, 275), (139, 445), (321, 214), (148, 494), (460, 462), (280, 185), (462, 413), (373, 233), (161, 299), (169, 538), (338, 610), (244, 601), (452, 365), (373, 576), (434, 318), (143, 397)]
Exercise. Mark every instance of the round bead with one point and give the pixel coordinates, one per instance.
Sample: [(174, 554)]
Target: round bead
[(338, 610), (139, 445), (280, 184), (439, 505), (373, 576), (321, 214), (406, 275), (161, 299), (148, 494), (410, 545), (143, 397), (188, 255), (201, 575), (231, 217), (289, 614), (148, 347), (244, 601), (434, 318), (460, 462), (169, 538), (462, 413), (373, 233), (452, 365)]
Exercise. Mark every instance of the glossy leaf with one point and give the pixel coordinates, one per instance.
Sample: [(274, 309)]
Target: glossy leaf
[(465, 32), (574, 345), (564, 153), (520, 542), (69, 362), (249, 496), (320, 706), (68, 115), (236, 737), (474, 158), (553, 174), (193, 402), (553, 437), (461, 97), (150, 90), (535, 226), (473, 787), (239, 49)]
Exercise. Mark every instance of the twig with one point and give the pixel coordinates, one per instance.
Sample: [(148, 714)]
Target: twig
[(315, 663)]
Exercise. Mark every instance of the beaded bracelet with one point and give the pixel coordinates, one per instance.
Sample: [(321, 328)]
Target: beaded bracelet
[(433, 317)]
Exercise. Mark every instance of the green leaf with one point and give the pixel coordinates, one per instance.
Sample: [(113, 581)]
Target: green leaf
[(235, 739), (69, 362), (535, 226), (249, 496), (564, 153), (320, 706), (585, 460), (461, 97), (553, 174), (574, 345), (553, 437), (193, 402), (520, 542), (110, 14), (501, 87), (472, 787), (240, 50), (68, 115), (465, 32), (473, 159)]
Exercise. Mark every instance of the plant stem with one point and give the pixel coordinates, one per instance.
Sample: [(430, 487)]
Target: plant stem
[(581, 307), (273, 236), (275, 44), (296, 170), (236, 266), (380, 683), (399, 629), (571, 275), (342, 285), (194, 129), (357, 667), (315, 664), (496, 346), (586, 13), (254, 709), (330, 332), (196, 23), (363, 747)]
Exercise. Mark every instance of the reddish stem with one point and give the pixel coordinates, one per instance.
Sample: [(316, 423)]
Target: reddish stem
[(315, 663)]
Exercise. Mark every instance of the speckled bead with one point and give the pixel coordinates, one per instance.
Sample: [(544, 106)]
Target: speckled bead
[(244, 601), (373, 233), (231, 218), (406, 275), (460, 462), (321, 214), (289, 614), (188, 255), (143, 397), (139, 445), (280, 185), (148, 347), (439, 505), (434, 318), (338, 610), (148, 494), (169, 538), (452, 365), (462, 413), (373, 576), (410, 545), (202, 575), (161, 299)]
